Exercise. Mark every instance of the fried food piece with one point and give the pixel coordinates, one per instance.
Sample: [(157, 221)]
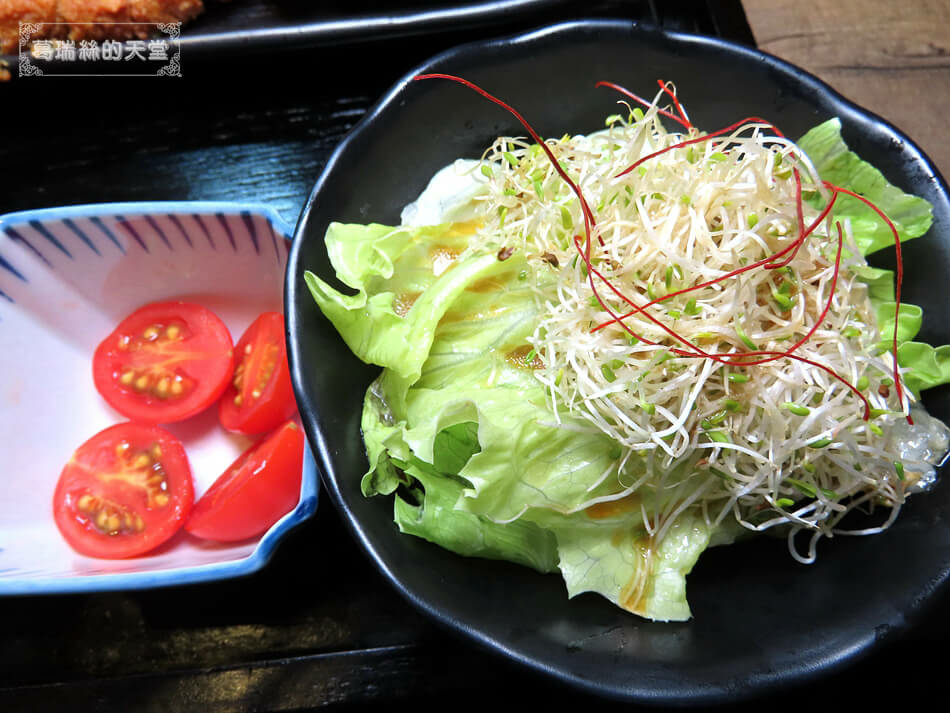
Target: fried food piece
[(165, 10), (153, 11), (91, 19), (13, 12), (79, 15)]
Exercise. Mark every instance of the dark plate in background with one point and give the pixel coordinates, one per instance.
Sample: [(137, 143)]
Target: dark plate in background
[(240, 25), (761, 621), (257, 25), (229, 28)]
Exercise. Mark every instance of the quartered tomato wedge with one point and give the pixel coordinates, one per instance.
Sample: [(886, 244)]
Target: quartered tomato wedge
[(124, 492), (260, 396), (259, 488), (165, 362)]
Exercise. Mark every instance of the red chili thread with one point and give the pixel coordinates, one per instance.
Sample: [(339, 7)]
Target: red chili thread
[(799, 214), (685, 122), (591, 270), (814, 328), (644, 102), (698, 139), (734, 360), (676, 102), (793, 249), (759, 263), (799, 209), (897, 286), (589, 222), (821, 317), (798, 195), (731, 359)]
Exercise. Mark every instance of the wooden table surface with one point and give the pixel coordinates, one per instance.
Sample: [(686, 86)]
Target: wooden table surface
[(892, 58)]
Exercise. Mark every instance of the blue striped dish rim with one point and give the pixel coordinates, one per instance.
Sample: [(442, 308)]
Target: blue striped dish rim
[(87, 210), (195, 574)]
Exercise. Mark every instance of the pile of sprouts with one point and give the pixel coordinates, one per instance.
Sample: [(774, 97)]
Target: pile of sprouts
[(701, 306)]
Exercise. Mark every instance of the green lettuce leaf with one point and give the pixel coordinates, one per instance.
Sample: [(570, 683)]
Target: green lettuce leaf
[(614, 565), (458, 427), (371, 321), (837, 164), (431, 514), (880, 282), (929, 366), (909, 320), (912, 217)]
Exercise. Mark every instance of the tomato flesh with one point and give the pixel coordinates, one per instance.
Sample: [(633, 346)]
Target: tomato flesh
[(258, 489), (124, 492), (165, 362), (260, 396)]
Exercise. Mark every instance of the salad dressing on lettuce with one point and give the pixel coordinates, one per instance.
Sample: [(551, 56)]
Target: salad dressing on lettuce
[(518, 416)]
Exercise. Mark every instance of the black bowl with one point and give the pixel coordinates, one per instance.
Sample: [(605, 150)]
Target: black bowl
[(761, 620)]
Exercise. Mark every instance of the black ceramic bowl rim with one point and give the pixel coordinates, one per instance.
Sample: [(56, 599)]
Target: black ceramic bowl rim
[(822, 96)]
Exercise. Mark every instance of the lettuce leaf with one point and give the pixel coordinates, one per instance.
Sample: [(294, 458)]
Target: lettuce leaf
[(430, 513), (929, 366), (837, 164), (371, 321), (912, 217), (592, 562), (458, 428)]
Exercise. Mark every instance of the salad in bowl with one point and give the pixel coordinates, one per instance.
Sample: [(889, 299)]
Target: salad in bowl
[(604, 353)]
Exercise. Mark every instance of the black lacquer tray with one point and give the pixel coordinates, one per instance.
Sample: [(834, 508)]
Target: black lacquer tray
[(319, 627)]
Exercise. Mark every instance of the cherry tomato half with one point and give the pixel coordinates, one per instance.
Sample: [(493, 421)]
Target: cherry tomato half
[(260, 396), (165, 362), (124, 492), (258, 489)]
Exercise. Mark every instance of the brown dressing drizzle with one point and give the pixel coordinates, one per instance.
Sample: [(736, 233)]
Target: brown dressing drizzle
[(613, 508), (443, 258), (633, 596), (402, 303), (518, 357)]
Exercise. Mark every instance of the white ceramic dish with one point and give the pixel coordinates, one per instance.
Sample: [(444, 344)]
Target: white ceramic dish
[(67, 276)]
